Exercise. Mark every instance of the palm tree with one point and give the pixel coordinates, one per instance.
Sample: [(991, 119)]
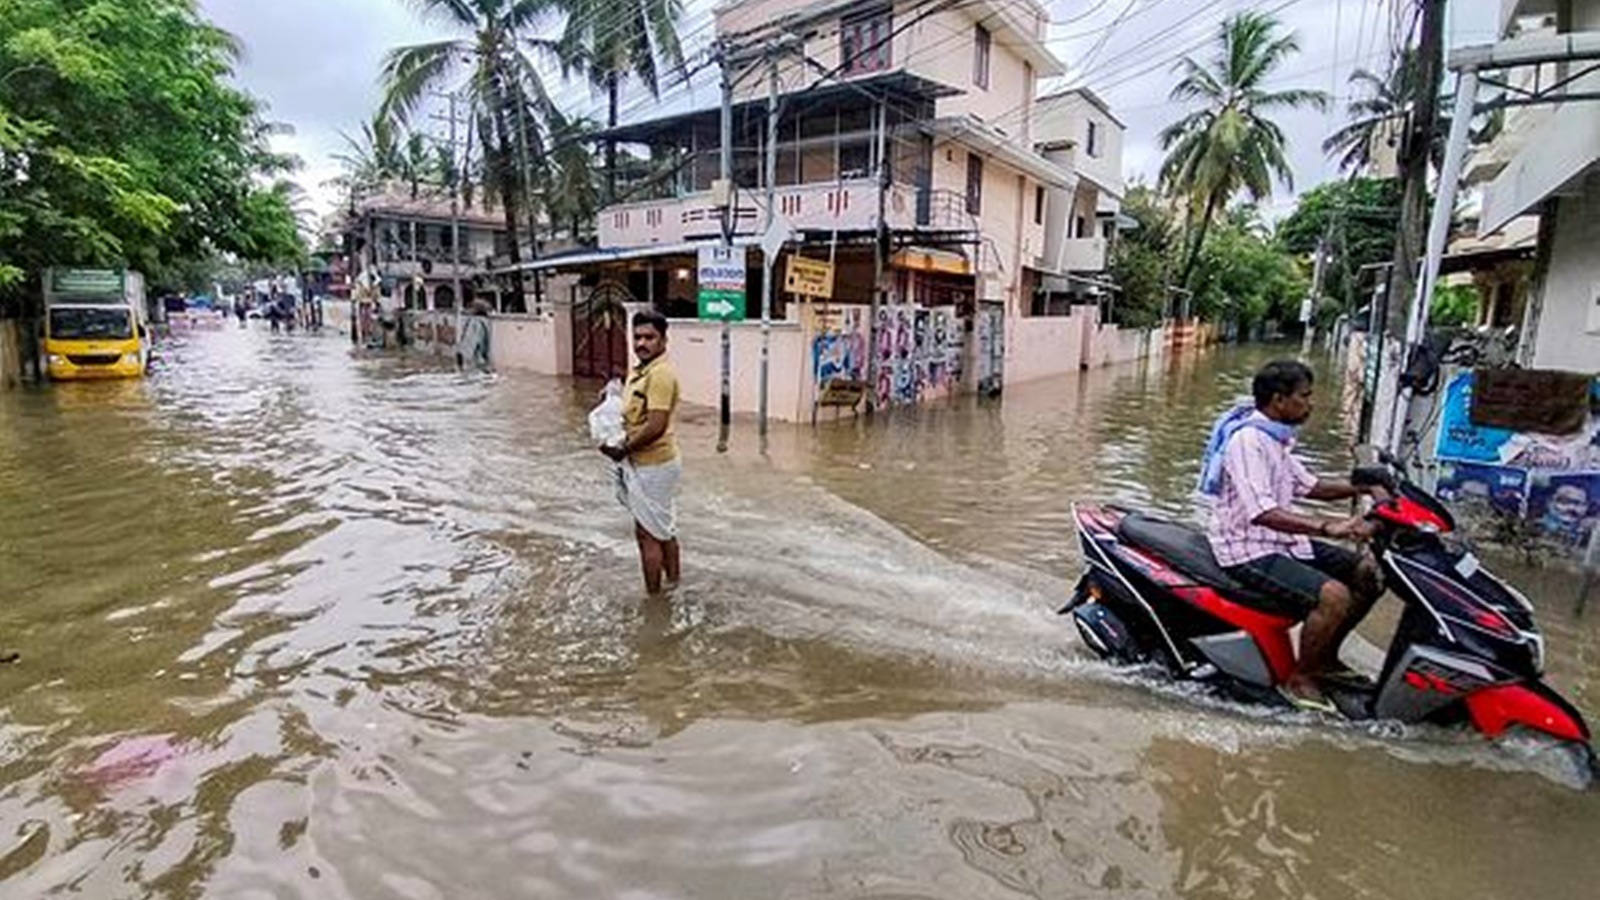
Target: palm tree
[(570, 185), (1375, 115), (1380, 113), (489, 66), (611, 40), (1230, 145), (370, 158)]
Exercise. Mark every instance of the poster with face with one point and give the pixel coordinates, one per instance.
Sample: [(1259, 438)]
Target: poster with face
[(905, 390), (1565, 507), (923, 334), (1496, 488), (886, 334), (885, 390)]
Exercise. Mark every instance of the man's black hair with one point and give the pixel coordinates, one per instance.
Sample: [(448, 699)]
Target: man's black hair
[(652, 318), (1280, 377)]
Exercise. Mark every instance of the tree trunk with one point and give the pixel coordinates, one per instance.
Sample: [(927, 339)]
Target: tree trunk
[(1418, 151), (1199, 239), (612, 93), (508, 201)]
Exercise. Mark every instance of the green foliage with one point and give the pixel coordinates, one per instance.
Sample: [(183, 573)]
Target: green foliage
[(1231, 144), (1245, 276), (1141, 262), (122, 144), (1359, 218), (1453, 305)]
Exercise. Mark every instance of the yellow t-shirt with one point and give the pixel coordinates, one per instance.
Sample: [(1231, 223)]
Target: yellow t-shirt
[(653, 387)]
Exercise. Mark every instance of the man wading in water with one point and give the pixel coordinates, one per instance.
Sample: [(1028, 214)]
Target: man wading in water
[(648, 468)]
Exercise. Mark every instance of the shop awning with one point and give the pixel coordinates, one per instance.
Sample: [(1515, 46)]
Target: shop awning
[(923, 259)]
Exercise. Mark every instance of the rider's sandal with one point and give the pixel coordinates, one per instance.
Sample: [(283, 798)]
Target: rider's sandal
[(1343, 676), (1308, 704)]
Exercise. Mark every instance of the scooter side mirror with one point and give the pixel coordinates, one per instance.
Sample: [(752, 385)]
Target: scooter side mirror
[(1373, 476)]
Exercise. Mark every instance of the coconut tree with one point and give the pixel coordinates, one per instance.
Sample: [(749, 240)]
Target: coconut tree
[(571, 188), (1379, 111), (1231, 144), (487, 65), (1375, 113), (613, 40)]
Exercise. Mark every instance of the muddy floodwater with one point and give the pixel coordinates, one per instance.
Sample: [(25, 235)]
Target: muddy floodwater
[(299, 623)]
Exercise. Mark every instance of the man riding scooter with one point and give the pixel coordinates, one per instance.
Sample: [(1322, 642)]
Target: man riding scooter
[(1254, 477)]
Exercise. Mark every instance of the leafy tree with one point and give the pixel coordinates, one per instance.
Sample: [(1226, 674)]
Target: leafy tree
[(1231, 144), (1141, 261), (1245, 276), (1453, 305), (1359, 219), (121, 142)]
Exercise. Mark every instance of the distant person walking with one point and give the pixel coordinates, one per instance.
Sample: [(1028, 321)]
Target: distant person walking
[(649, 468)]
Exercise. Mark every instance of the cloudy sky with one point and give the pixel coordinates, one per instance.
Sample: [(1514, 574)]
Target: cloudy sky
[(315, 62)]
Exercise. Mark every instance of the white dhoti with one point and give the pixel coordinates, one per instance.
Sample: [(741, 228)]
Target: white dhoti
[(650, 493)]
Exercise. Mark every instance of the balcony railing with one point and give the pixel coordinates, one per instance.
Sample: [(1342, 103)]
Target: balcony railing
[(841, 206)]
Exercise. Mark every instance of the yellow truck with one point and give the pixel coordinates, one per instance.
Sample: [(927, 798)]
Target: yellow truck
[(95, 324)]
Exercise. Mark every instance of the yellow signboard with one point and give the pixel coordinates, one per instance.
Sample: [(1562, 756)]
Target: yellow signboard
[(808, 278)]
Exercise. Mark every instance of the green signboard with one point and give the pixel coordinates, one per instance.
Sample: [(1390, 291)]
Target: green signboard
[(722, 306), (721, 281), (88, 282)]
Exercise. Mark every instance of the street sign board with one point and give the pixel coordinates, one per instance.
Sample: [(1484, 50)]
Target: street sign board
[(721, 280), (88, 282), (809, 278)]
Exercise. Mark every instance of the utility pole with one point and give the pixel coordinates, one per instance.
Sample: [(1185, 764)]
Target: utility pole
[(768, 253), (729, 217), (455, 213), (1417, 147), (879, 240), (1308, 315)]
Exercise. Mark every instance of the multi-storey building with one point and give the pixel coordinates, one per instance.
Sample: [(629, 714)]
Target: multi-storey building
[(914, 155)]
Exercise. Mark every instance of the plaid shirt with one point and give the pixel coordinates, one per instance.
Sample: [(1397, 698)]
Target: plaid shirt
[(1258, 474)]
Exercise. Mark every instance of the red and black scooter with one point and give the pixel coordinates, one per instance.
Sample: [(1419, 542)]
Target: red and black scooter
[(1466, 649)]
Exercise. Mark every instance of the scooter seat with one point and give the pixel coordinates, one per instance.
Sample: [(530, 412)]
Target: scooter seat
[(1188, 551)]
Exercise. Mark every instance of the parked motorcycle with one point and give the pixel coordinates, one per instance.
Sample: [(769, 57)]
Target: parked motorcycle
[(1466, 652)]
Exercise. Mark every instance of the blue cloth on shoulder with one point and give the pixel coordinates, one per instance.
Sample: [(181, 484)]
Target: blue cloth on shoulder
[(1227, 425)]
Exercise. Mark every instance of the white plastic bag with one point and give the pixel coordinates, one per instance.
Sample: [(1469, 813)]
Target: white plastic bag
[(605, 420)]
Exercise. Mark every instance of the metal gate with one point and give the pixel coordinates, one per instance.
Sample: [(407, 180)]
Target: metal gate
[(600, 330)]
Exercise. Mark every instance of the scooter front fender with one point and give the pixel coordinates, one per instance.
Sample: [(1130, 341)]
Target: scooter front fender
[(1531, 704)]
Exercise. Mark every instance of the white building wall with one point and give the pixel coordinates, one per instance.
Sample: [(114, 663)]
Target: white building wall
[(1067, 117), (1567, 330)]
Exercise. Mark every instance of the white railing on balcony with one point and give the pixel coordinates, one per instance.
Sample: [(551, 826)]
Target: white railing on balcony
[(843, 206)]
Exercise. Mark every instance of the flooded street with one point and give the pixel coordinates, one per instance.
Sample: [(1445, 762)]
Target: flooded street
[(295, 623)]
